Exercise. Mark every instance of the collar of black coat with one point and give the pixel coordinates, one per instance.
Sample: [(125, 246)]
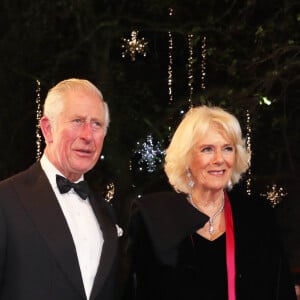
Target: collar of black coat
[(169, 219)]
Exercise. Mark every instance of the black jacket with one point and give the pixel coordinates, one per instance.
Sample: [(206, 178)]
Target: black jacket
[(162, 221), (38, 258)]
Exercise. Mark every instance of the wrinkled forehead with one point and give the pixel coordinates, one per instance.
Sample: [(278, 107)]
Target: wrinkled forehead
[(83, 103)]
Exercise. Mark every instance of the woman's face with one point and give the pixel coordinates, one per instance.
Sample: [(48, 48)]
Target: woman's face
[(212, 161)]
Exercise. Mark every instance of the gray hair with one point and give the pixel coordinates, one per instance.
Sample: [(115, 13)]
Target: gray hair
[(54, 101)]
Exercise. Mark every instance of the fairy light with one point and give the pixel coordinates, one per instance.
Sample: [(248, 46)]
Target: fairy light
[(134, 45), (130, 165), (110, 191), (275, 195), (38, 117), (190, 70), (248, 145), (170, 65), (151, 153), (170, 68), (203, 63)]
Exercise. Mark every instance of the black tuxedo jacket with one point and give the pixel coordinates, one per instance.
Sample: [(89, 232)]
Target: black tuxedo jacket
[(38, 259)]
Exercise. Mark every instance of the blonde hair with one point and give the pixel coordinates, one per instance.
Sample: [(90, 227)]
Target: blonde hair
[(193, 128), (54, 101)]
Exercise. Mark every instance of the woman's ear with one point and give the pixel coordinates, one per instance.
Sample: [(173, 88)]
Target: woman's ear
[(46, 128)]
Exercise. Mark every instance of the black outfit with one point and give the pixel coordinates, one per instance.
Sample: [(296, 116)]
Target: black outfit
[(38, 259), (171, 262), (208, 259)]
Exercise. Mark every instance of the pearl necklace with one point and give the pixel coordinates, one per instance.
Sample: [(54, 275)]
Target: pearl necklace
[(211, 220)]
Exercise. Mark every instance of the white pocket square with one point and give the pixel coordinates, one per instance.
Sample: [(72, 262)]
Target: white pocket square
[(119, 230)]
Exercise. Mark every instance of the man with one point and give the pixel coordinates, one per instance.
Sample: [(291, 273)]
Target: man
[(54, 243)]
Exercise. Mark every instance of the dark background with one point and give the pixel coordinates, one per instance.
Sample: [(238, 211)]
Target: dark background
[(252, 51)]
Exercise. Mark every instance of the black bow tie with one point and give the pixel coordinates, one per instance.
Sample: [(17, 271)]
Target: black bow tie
[(64, 185)]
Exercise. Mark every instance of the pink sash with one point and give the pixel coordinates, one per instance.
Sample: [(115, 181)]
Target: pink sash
[(230, 250)]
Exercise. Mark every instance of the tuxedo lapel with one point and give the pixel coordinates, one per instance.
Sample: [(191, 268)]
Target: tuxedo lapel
[(109, 250), (39, 200)]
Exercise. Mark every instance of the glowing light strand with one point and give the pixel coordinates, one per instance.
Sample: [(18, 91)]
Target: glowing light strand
[(38, 117), (248, 145), (170, 65), (203, 63), (190, 70)]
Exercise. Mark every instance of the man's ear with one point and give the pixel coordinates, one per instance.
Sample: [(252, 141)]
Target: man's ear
[(46, 128)]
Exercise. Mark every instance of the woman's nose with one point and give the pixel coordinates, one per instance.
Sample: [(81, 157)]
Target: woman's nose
[(218, 157)]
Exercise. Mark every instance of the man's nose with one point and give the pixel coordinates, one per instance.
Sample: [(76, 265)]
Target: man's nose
[(86, 131)]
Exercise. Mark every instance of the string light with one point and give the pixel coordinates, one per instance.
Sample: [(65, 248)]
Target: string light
[(203, 63), (275, 195), (170, 68), (134, 45), (248, 145), (38, 117), (170, 65), (190, 70)]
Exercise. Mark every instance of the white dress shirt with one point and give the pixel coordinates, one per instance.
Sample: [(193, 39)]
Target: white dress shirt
[(84, 227)]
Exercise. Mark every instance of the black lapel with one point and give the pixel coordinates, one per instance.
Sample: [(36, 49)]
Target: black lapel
[(39, 200), (109, 250)]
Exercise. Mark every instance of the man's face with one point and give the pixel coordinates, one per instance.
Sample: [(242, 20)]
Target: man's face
[(76, 139)]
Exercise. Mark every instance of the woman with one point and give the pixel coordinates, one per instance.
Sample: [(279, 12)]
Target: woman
[(201, 242)]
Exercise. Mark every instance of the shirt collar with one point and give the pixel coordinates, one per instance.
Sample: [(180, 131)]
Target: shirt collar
[(51, 171)]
